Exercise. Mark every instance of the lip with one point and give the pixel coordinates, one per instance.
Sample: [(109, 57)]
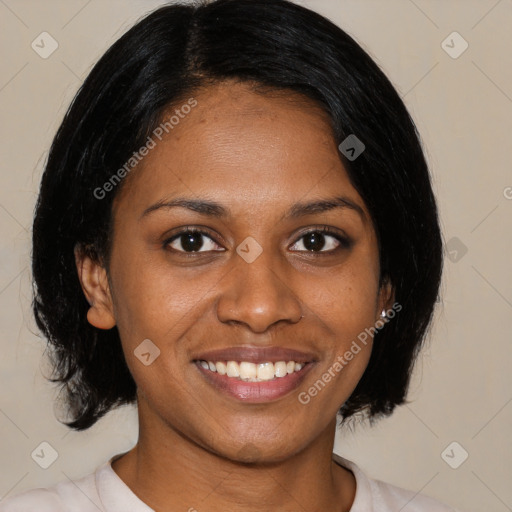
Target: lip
[(256, 355), (255, 392)]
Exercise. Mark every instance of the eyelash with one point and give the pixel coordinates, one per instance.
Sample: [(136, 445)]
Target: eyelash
[(344, 242)]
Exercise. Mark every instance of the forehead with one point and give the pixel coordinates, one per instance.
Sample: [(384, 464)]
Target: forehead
[(245, 148)]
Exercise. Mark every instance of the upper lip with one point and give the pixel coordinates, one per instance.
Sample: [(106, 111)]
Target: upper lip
[(256, 355)]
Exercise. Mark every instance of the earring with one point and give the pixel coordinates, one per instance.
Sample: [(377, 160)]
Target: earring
[(383, 313)]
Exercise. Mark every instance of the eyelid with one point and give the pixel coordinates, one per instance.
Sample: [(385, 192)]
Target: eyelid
[(344, 240), (183, 230)]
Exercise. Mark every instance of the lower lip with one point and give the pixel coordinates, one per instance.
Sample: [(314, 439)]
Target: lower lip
[(255, 392)]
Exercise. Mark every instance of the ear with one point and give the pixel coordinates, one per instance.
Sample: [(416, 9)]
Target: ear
[(386, 297), (94, 281)]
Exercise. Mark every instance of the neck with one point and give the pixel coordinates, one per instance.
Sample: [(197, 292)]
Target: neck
[(170, 472)]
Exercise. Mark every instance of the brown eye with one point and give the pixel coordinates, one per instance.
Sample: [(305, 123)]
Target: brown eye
[(192, 241), (320, 240)]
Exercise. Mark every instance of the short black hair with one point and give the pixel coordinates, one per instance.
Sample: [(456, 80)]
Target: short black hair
[(165, 57)]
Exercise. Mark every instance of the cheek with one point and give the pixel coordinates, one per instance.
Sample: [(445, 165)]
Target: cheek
[(345, 303), (156, 300), (347, 298)]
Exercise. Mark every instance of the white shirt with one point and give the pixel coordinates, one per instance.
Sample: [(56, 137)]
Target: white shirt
[(104, 491)]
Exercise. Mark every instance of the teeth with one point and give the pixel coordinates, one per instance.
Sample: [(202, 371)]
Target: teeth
[(248, 370), (280, 369), (251, 372), (265, 371), (232, 369)]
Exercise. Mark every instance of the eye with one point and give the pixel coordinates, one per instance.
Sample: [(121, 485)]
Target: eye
[(192, 240), (321, 240)]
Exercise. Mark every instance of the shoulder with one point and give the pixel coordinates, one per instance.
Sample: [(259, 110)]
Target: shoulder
[(377, 496), (388, 497), (42, 500), (66, 496)]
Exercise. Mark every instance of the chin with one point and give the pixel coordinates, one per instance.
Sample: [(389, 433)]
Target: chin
[(261, 451)]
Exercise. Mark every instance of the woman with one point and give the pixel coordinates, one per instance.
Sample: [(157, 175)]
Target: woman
[(236, 231)]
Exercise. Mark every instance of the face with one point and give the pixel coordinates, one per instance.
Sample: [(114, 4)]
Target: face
[(240, 239)]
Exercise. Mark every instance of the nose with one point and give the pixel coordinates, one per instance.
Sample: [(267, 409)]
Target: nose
[(258, 295)]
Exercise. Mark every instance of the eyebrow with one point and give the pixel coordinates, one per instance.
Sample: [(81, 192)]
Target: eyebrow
[(214, 209)]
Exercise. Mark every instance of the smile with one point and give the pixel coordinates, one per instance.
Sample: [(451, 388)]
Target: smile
[(252, 372), (254, 382)]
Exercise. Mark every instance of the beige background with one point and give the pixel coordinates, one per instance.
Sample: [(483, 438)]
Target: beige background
[(463, 107)]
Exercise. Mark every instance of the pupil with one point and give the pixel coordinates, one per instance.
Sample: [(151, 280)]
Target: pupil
[(191, 242), (314, 241)]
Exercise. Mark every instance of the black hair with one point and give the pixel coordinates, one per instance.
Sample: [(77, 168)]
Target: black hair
[(166, 56)]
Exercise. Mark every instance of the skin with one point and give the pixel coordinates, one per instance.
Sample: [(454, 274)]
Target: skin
[(257, 155)]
